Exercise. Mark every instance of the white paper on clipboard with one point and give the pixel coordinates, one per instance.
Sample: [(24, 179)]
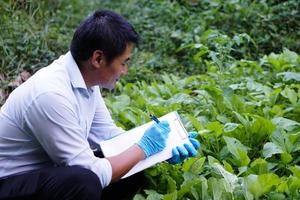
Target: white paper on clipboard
[(177, 137)]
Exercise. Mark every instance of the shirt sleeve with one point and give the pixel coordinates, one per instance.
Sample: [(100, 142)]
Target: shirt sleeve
[(103, 126), (52, 121)]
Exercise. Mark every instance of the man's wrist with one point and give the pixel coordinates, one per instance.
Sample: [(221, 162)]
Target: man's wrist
[(140, 151)]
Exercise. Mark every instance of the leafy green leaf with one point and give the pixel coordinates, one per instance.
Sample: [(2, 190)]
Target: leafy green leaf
[(238, 150), (285, 123), (243, 120), (216, 127), (121, 103), (259, 166), (231, 180), (139, 197), (194, 165), (195, 122), (286, 157), (271, 149), (228, 127), (153, 195), (287, 76), (187, 185), (212, 160), (296, 170), (289, 94), (171, 196), (259, 185), (227, 167), (217, 187)]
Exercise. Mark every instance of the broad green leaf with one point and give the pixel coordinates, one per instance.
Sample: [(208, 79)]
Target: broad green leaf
[(180, 98), (231, 180), (290, 94), (195, 122), (187, 185), (237, 39), (286, 157), (212, 160), (273, 96), (259, 185), (294, 137), (277, 111), (259, 166), (195, 193), (227, 167), (223, 119), (171, 196), (187, 164), (276, 196), (153, 195), (130, 89), (128, 116), (287, 76), (296, 170), (228, 127), (243, 159), (121, 103), (171, 184), (194, 165), (238, 106), (258, 87), (242, 170), (282, 140), (285, 123), (197, 166), (217, 187), (216, 127), (261, 127), (204, 188), (283, 187), (243, 120), (139, 197), (271, 149), (238, 150), (237, 86), (289, 56), (294, 185), (188, 176), (214, 56)]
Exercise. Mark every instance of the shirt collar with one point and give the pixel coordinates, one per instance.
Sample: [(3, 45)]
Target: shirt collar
[(75, 75)]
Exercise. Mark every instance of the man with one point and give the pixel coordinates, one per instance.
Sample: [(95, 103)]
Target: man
[(49, 123)]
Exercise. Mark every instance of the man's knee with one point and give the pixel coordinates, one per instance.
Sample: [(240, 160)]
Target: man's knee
[(70, 183), (85, 180)]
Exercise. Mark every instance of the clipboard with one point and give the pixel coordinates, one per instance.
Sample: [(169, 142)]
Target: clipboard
[(177, 137)]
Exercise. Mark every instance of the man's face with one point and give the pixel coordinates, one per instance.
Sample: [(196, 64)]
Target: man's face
[(110, 73)]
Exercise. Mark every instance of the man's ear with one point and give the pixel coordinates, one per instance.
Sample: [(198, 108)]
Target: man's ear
[(97, 59)]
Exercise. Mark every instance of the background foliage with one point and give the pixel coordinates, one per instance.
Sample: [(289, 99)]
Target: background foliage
[(230, 68)]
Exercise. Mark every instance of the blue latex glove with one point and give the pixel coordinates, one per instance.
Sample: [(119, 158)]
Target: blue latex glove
[(155, 138), (180, 153)]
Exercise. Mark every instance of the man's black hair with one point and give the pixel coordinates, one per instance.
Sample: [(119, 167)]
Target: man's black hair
[(104, 30)]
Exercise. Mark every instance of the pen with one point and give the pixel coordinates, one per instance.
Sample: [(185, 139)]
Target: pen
[(154, 118)]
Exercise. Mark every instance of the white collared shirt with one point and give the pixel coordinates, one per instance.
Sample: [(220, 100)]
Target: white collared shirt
[(52, 119)]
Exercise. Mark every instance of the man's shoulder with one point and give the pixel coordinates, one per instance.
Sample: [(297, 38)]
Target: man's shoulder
[(53, 78), (54, 75)]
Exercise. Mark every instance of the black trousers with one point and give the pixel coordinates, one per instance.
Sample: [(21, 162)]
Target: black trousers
[(52, 183), (66, 183), (124, 189)]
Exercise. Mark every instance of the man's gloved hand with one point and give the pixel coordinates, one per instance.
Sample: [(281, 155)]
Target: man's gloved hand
[(180, 153), (154, 138)]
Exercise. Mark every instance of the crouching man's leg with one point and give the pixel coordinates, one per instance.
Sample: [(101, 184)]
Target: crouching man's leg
[(52, 183)]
